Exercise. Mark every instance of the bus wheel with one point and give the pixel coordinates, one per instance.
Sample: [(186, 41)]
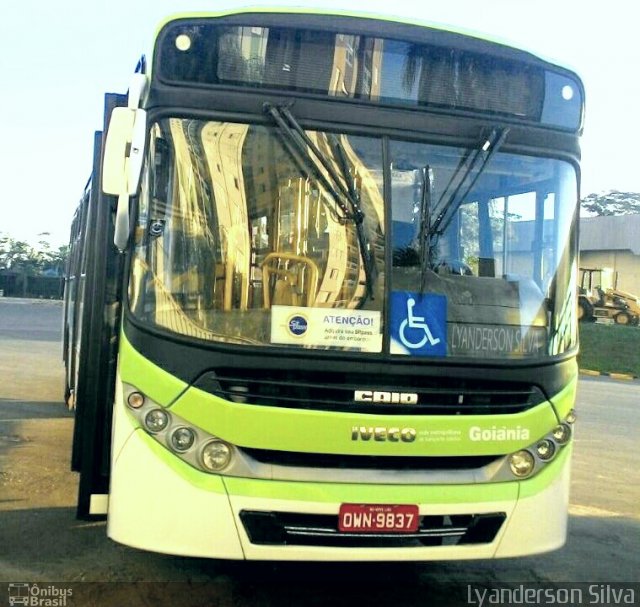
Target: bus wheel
[(622, 318)]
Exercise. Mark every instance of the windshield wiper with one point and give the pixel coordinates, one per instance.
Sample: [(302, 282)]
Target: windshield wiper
[(341, 189), (300, 153), (358, 216), (479, 158)]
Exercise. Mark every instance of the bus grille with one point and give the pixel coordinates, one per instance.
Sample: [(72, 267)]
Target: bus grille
[(369, 462), (335, 392), (286, 528)]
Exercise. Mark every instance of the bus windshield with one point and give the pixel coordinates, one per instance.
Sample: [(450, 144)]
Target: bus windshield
[(238, 241)]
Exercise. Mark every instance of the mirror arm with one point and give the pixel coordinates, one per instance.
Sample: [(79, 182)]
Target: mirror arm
[(121, 227), (137, 91)]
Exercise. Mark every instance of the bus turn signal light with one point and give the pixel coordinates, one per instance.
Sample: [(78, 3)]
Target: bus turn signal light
[(135, 400)]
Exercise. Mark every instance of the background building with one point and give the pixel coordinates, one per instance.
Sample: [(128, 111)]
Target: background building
[(613, 242)]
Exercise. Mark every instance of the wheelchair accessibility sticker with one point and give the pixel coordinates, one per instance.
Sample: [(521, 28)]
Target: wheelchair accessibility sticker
[(418, 324)]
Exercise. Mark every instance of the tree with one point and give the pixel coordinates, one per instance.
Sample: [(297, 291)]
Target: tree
[(17, 255), (21, 257), (612, 202)]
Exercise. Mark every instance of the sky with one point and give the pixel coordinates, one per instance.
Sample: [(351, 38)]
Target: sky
[(58, 58)]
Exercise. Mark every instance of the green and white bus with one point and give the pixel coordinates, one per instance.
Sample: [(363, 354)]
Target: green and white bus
[(321, 302)]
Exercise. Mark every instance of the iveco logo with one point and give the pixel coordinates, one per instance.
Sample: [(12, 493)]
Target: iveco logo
[(382, 434), (392, 398)]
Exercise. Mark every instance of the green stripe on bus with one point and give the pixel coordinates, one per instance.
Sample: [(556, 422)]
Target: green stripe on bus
[(151, 380), (374, 493), (399, 494), (305, 430), (565, 400)]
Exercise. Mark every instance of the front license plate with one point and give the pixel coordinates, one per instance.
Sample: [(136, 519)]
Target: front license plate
[(378, 518)]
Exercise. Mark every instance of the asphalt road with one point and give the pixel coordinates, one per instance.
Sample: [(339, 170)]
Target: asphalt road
[(40, 540)]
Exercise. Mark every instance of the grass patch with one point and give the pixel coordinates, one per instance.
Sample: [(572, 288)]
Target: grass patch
[(609, 348)]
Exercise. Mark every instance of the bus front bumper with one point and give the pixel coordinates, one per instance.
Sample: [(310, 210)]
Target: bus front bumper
[(159, 503)]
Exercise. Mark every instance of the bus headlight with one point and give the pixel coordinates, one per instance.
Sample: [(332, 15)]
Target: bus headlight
[(545, 449), (195, 446), (561, 434), (156, 420), (216, 455), (521, 463), (182, 439), (533, 458)]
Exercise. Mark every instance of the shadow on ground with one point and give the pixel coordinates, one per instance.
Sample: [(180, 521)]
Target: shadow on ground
[(15, 409), (62, 549)]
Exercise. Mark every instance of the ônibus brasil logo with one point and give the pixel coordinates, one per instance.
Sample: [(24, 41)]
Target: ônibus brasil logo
[(38, 595)]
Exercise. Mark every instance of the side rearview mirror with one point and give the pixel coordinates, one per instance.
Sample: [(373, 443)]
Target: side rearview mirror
[(124, 151)]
